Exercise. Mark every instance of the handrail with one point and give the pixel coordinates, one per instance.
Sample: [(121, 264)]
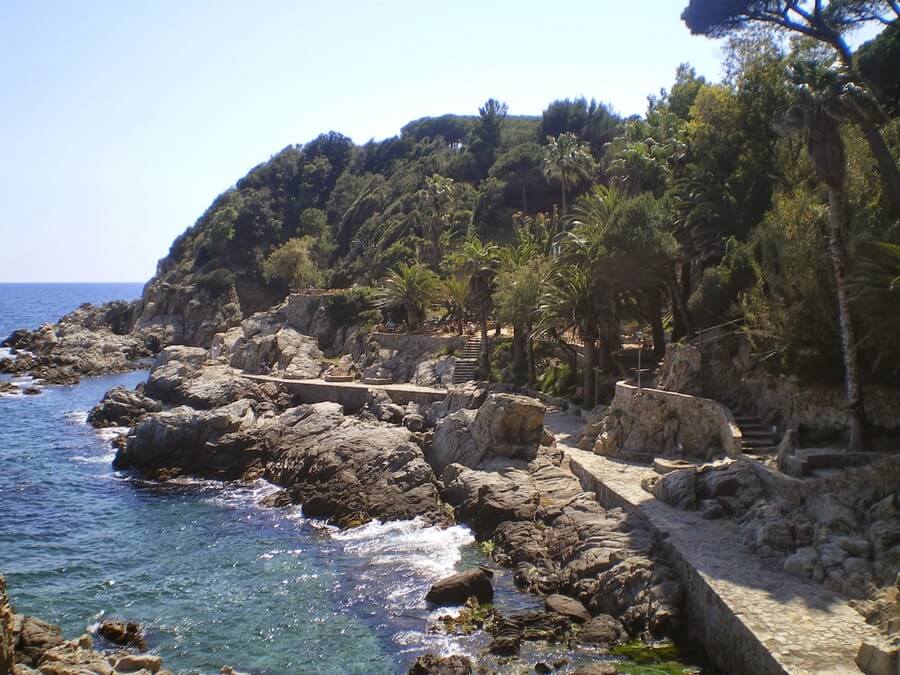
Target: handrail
[(698, 336)]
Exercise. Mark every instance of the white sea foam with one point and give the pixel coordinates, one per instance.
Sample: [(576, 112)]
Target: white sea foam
[(77, 416), (432, 551)]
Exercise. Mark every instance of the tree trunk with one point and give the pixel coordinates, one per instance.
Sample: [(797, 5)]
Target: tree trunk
[(485, 357), (887, 167), (519, 346), (852, 389), (562, 182), (682, 317), (589, 363), (656, 324), (529, 356), (412, 317)]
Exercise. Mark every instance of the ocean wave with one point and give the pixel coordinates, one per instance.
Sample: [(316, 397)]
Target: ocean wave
[(432, 552), (77, 416)]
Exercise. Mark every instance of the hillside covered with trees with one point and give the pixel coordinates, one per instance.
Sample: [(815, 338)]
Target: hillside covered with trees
[(771, 197)]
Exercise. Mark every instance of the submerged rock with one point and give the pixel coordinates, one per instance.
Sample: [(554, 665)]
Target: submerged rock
[(123, 633)]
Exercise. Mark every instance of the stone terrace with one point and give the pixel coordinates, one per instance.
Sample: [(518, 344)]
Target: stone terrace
[(753, 617)]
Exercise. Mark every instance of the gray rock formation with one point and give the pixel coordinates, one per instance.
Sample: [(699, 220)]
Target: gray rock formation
[(88, 341), (339, 467), (558, 539), (432, 664), (121, 407), (30, 646), (506, 426)]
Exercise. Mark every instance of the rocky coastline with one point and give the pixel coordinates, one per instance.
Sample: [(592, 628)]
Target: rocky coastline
[(31, 646), (477, 457)]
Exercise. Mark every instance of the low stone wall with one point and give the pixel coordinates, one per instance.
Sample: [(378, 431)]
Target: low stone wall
[(418, 343), (657, 422), (355, 396)]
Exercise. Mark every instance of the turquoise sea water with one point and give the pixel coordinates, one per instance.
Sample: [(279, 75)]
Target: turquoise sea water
[(215, 579)]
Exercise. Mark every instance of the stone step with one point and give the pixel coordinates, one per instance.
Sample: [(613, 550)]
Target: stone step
[(758, 433), (759, 443)]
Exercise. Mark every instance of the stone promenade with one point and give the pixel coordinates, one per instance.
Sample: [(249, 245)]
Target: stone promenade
[(352, 395), (753, 617)]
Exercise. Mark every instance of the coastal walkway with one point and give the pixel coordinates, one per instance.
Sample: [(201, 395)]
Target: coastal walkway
[(751, 616), (352, 395)]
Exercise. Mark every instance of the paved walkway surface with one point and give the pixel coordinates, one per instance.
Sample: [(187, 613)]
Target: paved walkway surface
[(319, 382), (352, 395), (804, 627)]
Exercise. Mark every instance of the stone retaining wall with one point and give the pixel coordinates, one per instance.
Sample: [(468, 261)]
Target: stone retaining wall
[(657, 422), (730, 373)]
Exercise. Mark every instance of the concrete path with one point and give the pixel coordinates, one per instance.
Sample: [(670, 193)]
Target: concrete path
[(352, 394), (763, 619)]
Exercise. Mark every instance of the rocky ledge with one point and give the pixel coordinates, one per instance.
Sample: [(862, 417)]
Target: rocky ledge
[(89, 341), (30, 646)]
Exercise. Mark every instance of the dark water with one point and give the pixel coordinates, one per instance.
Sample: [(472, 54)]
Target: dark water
[(30, 305)]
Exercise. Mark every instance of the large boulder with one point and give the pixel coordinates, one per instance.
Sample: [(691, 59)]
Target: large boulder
[(602, 631), (484, 499), (276, 350), (569, 607), (506, 426), (121, 407), (680, 370), (456, 589), (181, 436)]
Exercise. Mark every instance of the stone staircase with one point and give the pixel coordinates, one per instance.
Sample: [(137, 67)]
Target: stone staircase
[(466, 368), (758, 437)]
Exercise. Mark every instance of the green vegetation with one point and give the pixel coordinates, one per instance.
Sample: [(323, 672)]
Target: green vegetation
[(771, 197), (655, 659)]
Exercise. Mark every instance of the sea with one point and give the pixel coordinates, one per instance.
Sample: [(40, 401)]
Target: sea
[(214, 579)]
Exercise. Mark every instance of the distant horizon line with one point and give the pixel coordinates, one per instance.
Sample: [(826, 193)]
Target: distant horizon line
[(34, 283)]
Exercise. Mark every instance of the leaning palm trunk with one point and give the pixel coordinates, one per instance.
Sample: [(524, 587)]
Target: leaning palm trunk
[(852, 389), (887, 167)]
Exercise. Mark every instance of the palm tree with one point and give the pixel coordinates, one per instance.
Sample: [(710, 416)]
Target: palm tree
[(412, 287), (481, 261), (438, 200), (573, 299), (570, 159), (455, 296), (821, 104)]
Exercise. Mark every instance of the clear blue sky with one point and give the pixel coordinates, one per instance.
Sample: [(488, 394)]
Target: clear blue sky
[(121, 121)]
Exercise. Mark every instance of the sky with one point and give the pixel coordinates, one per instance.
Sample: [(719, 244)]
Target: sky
[(121, 121)]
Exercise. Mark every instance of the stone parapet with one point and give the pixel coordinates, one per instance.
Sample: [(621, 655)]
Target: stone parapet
[(643, 421)]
